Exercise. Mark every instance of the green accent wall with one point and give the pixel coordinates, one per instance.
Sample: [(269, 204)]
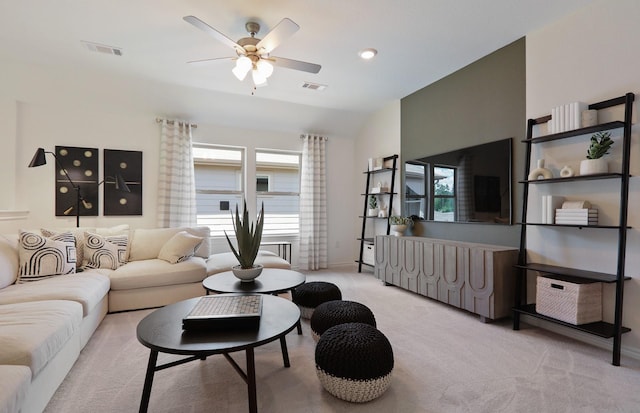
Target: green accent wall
[(482, 102)]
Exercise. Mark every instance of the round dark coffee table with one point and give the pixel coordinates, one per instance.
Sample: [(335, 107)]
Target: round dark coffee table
[(270, 281), (162, 332)]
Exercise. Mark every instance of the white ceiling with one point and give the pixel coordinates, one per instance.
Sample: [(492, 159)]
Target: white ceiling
[(419, 42)]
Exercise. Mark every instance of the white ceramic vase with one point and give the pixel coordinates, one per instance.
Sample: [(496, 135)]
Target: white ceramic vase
[(540, 172), (398, 229), (247, 274), (373, 212), (594, 166)]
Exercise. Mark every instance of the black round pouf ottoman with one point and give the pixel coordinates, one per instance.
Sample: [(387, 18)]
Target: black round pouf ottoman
[(332, 313), (310, 295), (354, 362)]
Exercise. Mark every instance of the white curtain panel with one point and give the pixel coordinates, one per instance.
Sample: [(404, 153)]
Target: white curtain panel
[(176, 184), (313, 204)]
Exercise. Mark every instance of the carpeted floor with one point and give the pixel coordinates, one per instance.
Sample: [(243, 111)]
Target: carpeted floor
[(446, 360)]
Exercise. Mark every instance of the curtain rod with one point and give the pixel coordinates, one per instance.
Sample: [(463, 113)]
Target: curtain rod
[(324, 138), (171, 122)]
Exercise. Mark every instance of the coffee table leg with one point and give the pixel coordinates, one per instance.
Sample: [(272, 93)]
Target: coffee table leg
[(285, 352), (148, 381), (299, 326), (251, 381)]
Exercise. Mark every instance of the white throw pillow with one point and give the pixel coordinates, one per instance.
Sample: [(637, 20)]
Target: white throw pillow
[(105, 252), (78, 234), (180, 247), (41, 257)]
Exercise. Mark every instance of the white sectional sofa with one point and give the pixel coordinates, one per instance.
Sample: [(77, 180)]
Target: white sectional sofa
[(45, 324)]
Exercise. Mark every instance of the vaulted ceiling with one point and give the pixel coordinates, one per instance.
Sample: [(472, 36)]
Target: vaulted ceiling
[(418, 42)]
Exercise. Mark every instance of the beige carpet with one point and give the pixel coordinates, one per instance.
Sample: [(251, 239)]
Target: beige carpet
[(446, 360)]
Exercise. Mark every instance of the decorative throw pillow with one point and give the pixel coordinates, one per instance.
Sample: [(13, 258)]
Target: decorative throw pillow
[(78, 234), (41, 257), (105, 252), (180, 247)]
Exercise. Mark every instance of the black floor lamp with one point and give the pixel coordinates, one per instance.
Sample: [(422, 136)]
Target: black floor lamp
[(39, 159)]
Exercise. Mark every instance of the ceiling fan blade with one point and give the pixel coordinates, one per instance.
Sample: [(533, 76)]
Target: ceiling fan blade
[(206, 61), (295, 64), (286, 28), (213, 33)]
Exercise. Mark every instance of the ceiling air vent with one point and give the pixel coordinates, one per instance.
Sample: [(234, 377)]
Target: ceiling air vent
[(101, 48), (314, 86)]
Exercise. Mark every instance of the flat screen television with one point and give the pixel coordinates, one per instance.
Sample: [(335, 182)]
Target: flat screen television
[(471, 184)]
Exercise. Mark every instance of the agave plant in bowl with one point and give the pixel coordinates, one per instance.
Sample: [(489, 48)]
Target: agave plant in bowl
[(248, 238)]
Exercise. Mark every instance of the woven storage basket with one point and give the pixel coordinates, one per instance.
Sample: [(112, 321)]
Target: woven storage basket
[(569, 302)]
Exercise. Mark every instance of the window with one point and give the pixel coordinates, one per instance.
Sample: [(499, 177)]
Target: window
[(278, 187), (415, 191), (444, 193), (219, 176)]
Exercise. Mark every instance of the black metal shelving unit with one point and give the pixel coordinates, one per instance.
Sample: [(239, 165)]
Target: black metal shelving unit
[(602, 329), (391, 194)]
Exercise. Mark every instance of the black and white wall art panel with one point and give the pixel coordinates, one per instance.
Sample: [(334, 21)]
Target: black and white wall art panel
[(81, 164), (129, 165)]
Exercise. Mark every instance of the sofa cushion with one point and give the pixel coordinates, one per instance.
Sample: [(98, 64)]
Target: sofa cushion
[(180, 247), (122, 229), (42, 257), (223, 261), (156, 272), (87, 288), (105, 252), (14, 385), (147, 243), (9, 262), (33, 333)]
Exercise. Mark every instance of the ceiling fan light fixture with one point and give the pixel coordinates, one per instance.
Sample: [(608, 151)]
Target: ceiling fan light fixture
[(265, 68), (368, 53), (243, 65), (258, 79), (240, 72)]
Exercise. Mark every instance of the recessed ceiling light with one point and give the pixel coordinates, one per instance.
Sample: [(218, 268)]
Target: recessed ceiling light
[(367, 54)]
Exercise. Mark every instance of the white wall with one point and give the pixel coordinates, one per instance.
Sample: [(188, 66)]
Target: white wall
[(40, 107), (590, 56), (379, 137)]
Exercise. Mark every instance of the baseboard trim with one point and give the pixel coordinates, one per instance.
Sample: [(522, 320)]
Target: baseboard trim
[(631, 352)]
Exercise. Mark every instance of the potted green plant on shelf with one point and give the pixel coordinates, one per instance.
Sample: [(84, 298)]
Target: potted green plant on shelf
[(599, 146), (373, 206), (399, 224), (248, 238)]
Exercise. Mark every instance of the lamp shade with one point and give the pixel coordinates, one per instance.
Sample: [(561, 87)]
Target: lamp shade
[(265, 68), (243, 65), (258, 78), (121, 185), (39, 158)]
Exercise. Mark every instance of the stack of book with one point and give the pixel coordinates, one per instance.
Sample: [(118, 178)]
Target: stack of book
[(577, 216), (549, 205), (566, 117)]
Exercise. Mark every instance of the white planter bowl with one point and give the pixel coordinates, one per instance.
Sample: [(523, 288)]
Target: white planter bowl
[(246, 274), (594, 166), (398, 229)]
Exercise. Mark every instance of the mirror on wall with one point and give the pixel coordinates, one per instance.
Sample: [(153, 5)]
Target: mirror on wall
[(467, 185)]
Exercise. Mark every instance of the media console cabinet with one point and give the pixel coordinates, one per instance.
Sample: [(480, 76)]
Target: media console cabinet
[(475, 277)]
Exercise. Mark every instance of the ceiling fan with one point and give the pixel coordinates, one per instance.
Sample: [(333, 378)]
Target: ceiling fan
[(253, 54)]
